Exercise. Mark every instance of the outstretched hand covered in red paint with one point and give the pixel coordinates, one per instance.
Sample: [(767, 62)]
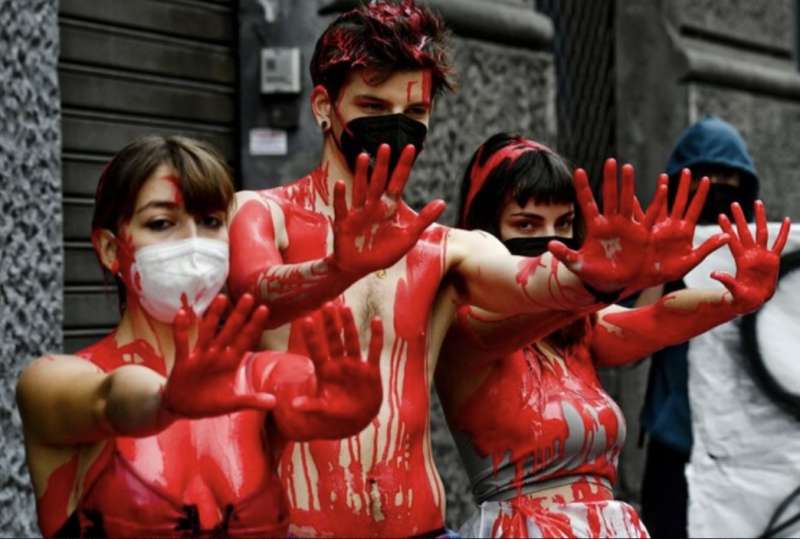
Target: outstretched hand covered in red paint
[(610, 258), (671, 253), (757, 265), (202, 382), (372, 234), (348, 389)]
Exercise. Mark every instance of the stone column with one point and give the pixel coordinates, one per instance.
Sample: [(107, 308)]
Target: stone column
[(31, 260)]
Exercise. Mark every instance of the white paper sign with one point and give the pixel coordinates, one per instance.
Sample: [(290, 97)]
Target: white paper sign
[(746, 454), (266, 141)]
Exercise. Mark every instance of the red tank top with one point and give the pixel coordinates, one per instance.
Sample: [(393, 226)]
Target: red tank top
[(207, 477)]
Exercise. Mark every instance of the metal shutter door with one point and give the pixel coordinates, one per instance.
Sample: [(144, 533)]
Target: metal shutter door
[(130, 68)]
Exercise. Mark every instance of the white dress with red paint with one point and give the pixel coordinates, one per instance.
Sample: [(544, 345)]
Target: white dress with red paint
[(542, 422)]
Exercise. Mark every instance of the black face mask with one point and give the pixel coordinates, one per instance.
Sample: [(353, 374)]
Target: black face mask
[(537, 246), (719, 200), (367, 133)]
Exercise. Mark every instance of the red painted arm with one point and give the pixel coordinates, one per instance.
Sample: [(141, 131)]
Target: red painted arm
[(257, 268), (370, 235), (609, 261), (480, 336), (334, 394), (625, 337)]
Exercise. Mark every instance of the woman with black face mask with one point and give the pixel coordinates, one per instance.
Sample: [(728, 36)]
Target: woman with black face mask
[(538, 435)]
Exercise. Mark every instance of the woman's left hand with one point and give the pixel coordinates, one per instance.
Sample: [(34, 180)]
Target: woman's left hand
[(757, 266)]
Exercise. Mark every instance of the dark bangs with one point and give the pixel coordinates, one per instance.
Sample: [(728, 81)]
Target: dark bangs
[(206, 184), (538, 175), (542, 177)]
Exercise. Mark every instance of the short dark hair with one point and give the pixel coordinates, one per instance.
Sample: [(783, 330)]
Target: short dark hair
[(535, 173), (384, 37)]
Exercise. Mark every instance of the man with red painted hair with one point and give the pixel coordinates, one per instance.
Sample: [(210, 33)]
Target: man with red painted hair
[(343, 233)]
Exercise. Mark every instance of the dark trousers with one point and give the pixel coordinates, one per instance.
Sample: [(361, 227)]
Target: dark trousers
[(664, 491)]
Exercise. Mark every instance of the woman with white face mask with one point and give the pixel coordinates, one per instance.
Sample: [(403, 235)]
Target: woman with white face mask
[(169, 426)]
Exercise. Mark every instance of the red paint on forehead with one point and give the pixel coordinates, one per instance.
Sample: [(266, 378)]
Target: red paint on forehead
[(480, 173), (427, 87), (176, 182), (409, 88)]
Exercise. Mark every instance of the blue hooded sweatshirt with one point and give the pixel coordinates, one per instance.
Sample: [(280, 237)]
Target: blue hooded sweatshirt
[(666, 416)]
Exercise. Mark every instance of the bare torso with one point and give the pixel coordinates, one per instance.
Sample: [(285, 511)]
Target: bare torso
[(382, 481)]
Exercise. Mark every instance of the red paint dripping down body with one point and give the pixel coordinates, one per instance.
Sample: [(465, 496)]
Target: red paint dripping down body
[(142, 486), (382, 482), (542, 418)]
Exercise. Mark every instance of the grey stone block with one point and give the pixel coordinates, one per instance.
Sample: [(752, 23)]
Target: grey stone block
[(30, 228), (771, 129), (757, 23)]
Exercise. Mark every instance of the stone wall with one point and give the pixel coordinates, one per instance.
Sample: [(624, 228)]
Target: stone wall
[(771, 128), (762, 23), (30, 228), (499, 89)]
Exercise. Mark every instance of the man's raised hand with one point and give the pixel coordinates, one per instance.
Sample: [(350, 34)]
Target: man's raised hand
[(373, 233)]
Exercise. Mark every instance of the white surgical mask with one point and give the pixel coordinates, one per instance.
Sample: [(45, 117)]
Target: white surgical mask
[(163, 272)]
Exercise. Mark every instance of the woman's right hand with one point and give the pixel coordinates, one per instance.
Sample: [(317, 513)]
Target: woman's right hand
[(204, 379)]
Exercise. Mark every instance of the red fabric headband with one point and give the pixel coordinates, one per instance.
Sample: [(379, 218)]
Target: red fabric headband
[(478, 174)]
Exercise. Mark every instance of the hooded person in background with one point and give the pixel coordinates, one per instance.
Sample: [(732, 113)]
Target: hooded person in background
[(712, 148)]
